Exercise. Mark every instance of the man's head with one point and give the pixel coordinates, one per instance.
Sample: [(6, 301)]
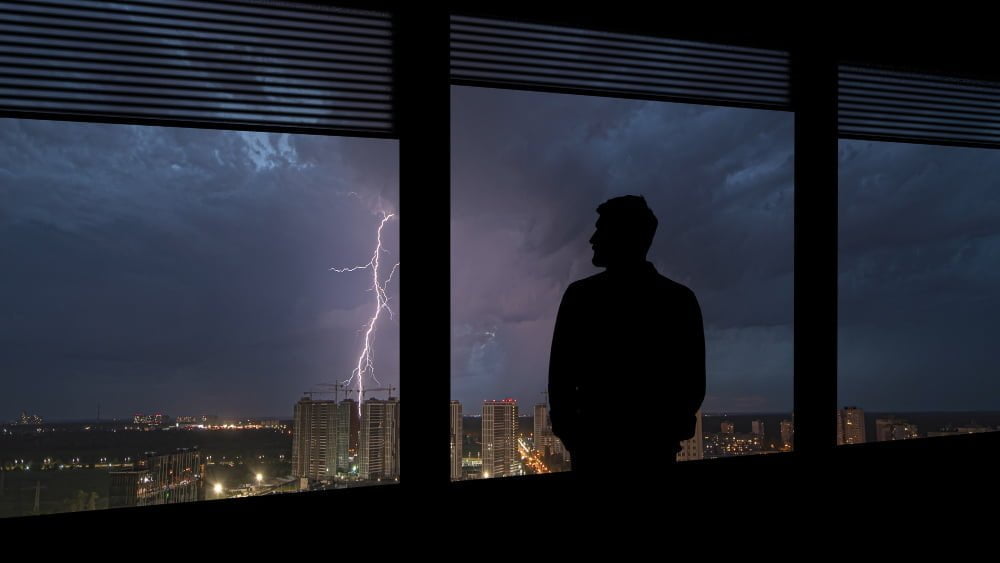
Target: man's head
[(625, 229)]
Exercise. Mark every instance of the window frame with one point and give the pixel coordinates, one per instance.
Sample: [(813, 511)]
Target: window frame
[(421, 92)]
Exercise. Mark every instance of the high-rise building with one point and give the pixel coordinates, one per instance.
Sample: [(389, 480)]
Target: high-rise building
[(757, 427), (559, 451), (314, 439), (892, 428), (348, 427), (542, 434), (728, 427), (787, 434), (547, 443), (456, 440), (693, 448), (160, 479), (500, 455), (378, 444), (850, 426)]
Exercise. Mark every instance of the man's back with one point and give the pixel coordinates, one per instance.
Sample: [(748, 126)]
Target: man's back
[(627, 370)]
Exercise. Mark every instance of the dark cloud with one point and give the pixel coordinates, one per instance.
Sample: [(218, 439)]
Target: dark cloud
[(919, 239), (186, 270), (180, 270), (919, 301), (528, 171)]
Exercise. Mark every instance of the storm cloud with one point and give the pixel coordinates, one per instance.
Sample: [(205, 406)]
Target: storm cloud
[(185, 271), (528, 171), (919, 256), (919, 300)]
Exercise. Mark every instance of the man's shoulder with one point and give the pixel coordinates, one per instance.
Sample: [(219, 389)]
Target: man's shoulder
[(668, 285), (601, 281), (588, 287), (589, 282)]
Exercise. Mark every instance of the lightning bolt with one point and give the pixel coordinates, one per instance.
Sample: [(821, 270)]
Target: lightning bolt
[(366, 364)]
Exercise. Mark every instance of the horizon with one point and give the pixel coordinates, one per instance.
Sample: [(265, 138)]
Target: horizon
[(526, 414)]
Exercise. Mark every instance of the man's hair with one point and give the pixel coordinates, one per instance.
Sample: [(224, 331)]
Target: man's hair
[(630, 213)]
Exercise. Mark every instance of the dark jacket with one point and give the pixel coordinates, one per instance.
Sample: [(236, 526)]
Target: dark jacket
[(627, 368)]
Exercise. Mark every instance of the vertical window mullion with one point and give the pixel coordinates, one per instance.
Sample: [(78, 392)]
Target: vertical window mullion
[(814, 98), (421, 94)]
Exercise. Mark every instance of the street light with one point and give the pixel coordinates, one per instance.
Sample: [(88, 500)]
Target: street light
[(218, 488), (260, 477)]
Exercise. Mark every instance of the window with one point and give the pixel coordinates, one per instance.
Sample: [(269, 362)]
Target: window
[(528, 171), (173, 292), (918, 298), (60, 65), (918, 240)]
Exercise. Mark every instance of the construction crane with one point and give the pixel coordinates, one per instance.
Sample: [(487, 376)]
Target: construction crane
[(390, 389), (336, 390), (338, 387), (311, 393)]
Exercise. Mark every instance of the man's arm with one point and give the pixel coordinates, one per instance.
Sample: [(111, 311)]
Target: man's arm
[(562, 372), (693, 372)]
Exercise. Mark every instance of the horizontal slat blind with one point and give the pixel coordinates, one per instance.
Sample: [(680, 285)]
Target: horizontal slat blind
[(239, 63), (899, 106), (511, 54)]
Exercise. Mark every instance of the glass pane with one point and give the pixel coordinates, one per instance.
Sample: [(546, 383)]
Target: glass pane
[(919, 298), (528, 172), (169, 294)]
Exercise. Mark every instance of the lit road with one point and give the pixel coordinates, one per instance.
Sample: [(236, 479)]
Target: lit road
[(531, 458)]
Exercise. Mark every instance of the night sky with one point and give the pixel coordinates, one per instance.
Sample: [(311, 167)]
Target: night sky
[(528, 171), (920, 254), (186, 271), (919, 301)]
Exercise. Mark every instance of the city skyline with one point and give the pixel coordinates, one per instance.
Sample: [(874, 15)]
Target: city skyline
[(68, 467), (251, 417)]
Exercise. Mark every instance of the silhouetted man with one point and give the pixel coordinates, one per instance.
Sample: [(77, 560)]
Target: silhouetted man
[(627, 369)]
